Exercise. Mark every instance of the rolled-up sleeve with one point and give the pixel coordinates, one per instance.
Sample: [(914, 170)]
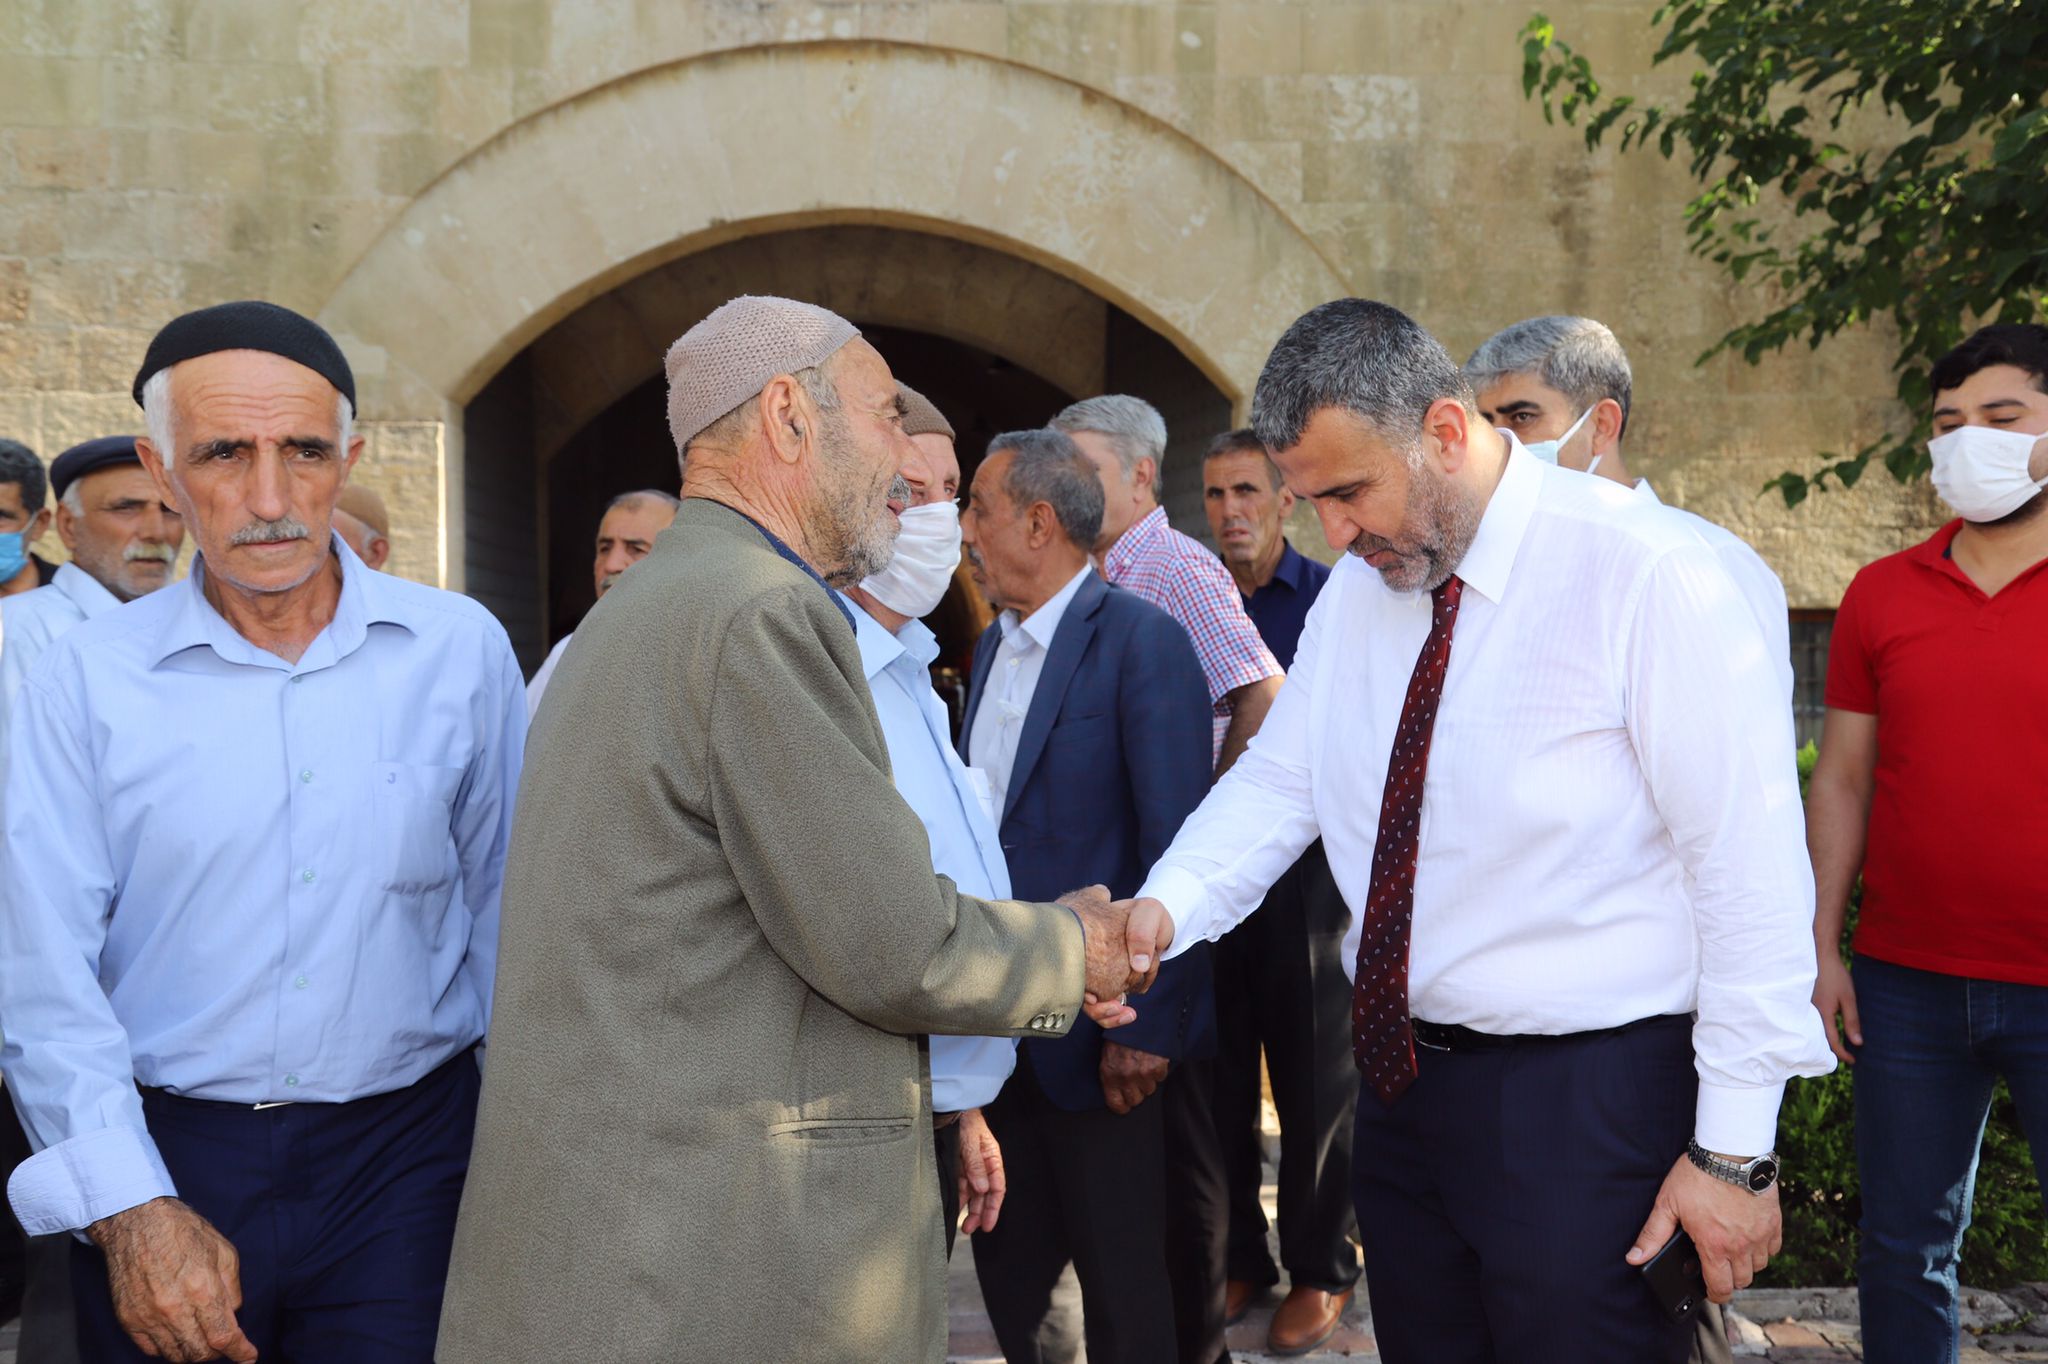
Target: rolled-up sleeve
[(1713, 733), (67, 1060)]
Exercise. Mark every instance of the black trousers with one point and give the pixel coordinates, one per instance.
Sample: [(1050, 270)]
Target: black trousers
[(1282, 987), (1197, 1211), (38, 1269), (1089, 1187), (343, 1214), (1497, 1197)]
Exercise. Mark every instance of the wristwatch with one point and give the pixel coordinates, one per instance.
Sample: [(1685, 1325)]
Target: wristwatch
[(1754, 1175)]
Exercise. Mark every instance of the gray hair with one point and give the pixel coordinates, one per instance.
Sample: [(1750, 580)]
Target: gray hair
[(1134, 428), (1244, 441), (1574, 355), (156, 415), (74, 497), (1367, 358), (18, 464), (640, 495), (1046, 466)]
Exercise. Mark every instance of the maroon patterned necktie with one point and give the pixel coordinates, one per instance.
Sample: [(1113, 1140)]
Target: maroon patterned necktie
[(1384, 1038)]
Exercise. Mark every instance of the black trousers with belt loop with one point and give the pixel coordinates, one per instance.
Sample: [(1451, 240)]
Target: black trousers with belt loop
[(1497, 1198)]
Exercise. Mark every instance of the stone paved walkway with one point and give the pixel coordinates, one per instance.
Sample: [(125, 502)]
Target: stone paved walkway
[(1813, 1326)]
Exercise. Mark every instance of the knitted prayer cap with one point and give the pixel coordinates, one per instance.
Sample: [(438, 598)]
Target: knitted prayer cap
[(921, 417), (249, 325), (731, 355)]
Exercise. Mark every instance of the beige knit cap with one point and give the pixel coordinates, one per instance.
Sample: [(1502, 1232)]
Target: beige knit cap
[(921, 417), (731, 355)]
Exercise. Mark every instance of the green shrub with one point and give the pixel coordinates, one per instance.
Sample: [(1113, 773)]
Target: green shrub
[(2006, 1243)]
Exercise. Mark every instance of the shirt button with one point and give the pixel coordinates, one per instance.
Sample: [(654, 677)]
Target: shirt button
[(306, 875), (292, 1081), (299, 983), (306, 775), (297, 678), (390, 778)]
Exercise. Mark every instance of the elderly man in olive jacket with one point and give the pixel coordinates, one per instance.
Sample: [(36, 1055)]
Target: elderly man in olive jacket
[(705, 1115)]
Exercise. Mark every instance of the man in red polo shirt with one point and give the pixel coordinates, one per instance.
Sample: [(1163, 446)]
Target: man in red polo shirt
[(1933, 783)]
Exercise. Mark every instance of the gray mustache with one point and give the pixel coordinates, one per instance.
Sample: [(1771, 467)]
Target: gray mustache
[(260, 532), (159, 554)]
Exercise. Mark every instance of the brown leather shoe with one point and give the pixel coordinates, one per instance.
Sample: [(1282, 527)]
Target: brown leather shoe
[(1307, 1319), (1238, 1297)]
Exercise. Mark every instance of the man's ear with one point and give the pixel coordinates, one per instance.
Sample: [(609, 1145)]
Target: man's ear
[(786, 418), (1449, 423), (67, 528), (1286, 501), (1606, 424), (155, 460), (1144, 475), (37, 524), (1039, 525)]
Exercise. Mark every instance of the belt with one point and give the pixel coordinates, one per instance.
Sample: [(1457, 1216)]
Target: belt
[(1456, 1037)]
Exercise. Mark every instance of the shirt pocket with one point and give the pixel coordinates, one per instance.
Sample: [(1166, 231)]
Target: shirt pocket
[(415, 816)]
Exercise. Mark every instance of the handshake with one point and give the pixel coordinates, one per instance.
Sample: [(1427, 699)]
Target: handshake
[(1125, 941)]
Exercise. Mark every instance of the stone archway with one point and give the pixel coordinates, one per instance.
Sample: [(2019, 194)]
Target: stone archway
[(574, 201)]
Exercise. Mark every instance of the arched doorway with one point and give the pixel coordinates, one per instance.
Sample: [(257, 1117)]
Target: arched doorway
[(559, 214), (578, 415)]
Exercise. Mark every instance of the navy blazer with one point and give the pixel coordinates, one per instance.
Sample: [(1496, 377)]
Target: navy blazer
[(1116, 751)]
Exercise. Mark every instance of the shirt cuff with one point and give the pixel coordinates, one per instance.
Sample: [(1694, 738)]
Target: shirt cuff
[(1738, 1122), (70, 1186), (1186, 900)]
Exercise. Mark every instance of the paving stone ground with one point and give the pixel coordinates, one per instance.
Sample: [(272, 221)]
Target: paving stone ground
[(1811, 1326)]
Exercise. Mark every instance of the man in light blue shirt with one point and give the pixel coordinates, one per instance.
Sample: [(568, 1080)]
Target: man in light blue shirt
[(896, 652), (254, 834)]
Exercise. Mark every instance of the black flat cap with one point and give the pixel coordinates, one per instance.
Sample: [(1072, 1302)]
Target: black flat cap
[(249, 325), (89, 458)]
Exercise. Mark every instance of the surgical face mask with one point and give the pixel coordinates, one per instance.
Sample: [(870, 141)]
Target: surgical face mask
[(1981, 471), (1546, 450), (927, 552), (13, 555)]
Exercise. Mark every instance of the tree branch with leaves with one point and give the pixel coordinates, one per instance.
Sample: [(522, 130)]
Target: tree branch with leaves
[(1940, 229)]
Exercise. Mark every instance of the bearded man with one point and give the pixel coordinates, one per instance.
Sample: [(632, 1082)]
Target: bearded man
[(1538, 732), (706, 1121)]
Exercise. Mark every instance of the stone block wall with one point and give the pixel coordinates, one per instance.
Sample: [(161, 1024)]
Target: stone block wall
[(162, 154)]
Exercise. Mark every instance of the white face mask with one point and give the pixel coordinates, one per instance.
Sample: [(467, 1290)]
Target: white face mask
[(1981, 471), (927, 552), (1546, 450)]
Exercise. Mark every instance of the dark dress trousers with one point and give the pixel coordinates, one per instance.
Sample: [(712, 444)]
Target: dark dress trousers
[(1282, 988), (1114, 753)]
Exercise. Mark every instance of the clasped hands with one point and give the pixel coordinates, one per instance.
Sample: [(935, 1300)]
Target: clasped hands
[(1125, 940)]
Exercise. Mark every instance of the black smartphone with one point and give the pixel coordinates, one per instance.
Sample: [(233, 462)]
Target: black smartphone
[(1674, 1277)]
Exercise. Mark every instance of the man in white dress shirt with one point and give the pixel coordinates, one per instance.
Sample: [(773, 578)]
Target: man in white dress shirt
[(1542, 746), (624, 537), (1564, 387)]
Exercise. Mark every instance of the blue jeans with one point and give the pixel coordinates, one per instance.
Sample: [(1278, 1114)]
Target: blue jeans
[(1933, 1046)]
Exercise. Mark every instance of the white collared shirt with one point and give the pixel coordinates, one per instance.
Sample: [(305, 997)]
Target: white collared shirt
[(1760, 587), (1611, 826), (1012, 679)]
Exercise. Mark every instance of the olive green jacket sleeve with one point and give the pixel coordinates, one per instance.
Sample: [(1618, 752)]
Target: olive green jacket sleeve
[(836, 867)]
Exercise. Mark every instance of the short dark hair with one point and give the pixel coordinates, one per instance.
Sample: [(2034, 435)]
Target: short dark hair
[(1370, 359), (18, 464), (1243, 441), (1048, 467), (2023, 345)]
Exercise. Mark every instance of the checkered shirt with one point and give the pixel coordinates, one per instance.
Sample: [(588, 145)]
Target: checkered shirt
[(1176, 574)]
